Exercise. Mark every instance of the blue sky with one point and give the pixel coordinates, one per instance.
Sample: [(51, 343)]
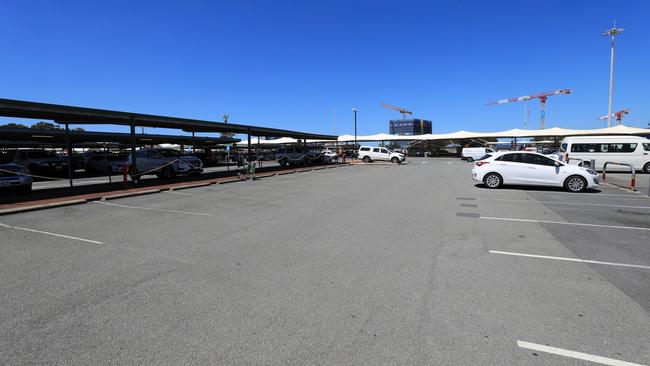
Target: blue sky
[(298, 64)]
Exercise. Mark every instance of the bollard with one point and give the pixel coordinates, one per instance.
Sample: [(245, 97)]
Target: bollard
[(125, 175)]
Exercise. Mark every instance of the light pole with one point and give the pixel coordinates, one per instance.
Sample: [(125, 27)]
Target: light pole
[(355, 130), (612, 32)]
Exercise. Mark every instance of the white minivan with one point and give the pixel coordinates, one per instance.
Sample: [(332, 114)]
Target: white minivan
[(633, 150), (474, 153)]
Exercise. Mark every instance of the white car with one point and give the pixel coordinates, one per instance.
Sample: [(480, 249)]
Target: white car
[(166, 163), (529, 168), (369, 154)]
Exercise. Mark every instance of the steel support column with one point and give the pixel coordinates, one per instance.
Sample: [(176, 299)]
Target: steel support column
[(249, 146), (134, 166), (68, 145)]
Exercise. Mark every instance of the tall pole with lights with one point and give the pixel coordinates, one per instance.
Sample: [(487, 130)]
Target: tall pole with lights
[(355, 129), (612, 32)]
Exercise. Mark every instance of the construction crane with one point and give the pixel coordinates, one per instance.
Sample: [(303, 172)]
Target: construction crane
[(619, 115), (403, 111), (542, 98)]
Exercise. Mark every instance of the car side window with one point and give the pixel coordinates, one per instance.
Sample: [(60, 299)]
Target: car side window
[(376, 149), (646, 147), (539, 160), (513, 158), (384, 151), (365, 149)]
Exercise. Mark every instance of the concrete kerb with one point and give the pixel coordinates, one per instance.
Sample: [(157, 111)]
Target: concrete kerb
[(43, 206), (188, 186), (132, 194)]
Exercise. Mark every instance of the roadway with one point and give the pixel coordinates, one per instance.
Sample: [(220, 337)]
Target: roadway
[(365, 264)]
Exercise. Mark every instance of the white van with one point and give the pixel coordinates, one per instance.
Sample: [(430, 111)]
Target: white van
[(474, 153), (633, 150)]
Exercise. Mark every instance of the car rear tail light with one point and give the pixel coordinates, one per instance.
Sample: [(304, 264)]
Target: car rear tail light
[(479, 163)]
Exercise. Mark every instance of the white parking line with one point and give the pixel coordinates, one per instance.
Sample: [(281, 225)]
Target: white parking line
[(565, 223), (569, 259), (51, 234), (576, 355), (565, 203), (154, 209), (176, 192)]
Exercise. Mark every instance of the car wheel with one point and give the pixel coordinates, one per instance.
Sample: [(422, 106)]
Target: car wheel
[(646, 168), (366, 159), (167, 172), (470, 159), (282, 162), (493, 180), (575, 183), (395, 160)]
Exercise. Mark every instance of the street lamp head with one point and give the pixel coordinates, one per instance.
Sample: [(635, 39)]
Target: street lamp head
[(354, 109), (613, 32)]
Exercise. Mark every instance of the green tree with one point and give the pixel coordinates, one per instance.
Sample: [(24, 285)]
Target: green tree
[(13, 125), (45, 126)]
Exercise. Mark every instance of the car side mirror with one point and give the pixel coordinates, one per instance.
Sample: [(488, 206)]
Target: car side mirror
[(557, 164)]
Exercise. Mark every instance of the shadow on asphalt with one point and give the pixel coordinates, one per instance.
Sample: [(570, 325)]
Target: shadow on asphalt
[(533, 188), (11, 196)]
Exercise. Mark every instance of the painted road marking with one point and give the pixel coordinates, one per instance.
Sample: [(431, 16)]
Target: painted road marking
[(569, 259), (51, 234), (468, 214), (154, 209), (183, 193), (565, 223), (576, 355), (565, 203)]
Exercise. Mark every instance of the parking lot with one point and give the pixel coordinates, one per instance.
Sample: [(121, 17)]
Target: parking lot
[(364, 264)]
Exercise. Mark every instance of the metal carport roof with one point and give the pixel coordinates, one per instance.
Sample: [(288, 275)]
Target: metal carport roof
[(80, 115), (8, 136)]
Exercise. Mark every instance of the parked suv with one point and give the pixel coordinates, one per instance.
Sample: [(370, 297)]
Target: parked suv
[(369, 154), (166, 163), (41, 162)]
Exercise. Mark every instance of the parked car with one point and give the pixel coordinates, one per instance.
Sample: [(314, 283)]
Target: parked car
[(41, 162), (14, 176), (474, 153), (166, 163), (369, 154), (529, 168), (290, 156), (328, 155), (107, 163), (633, 150)]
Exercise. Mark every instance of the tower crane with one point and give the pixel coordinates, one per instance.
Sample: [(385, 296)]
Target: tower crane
[(403, 111), (619, 115), (542, 98)]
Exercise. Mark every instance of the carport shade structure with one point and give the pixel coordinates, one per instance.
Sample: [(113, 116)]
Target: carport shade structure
[(66, 115)]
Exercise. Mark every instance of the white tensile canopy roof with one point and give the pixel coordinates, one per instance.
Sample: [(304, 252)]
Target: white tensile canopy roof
[(458, 135)]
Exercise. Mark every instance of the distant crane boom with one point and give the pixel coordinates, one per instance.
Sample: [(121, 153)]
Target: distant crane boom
[(403, 111), (619, 115), (542, 98)]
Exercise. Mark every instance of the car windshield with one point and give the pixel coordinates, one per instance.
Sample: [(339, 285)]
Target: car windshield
[(169, 153), (44, 154)]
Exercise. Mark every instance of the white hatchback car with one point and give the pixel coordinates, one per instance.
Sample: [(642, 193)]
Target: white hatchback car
[(529, 168)]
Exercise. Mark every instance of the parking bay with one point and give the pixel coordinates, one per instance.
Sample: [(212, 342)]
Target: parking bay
[(363, 264)]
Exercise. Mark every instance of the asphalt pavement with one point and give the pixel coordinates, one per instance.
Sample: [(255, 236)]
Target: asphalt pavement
[(367, 264)]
